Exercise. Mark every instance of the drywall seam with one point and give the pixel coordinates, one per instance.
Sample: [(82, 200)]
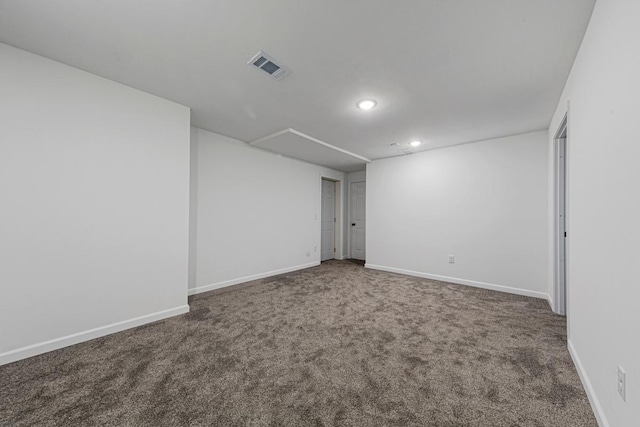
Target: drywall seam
[(586, 383), (483, 285), (57, 343), (224, 284)]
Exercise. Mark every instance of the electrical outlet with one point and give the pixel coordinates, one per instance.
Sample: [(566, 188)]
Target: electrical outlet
[(315, 249), (622, 383), (452, 259)]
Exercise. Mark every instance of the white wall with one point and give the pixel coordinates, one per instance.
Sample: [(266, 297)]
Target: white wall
[(357, 176), (484, 202), (94, 187), (604, 208), (258, 213)]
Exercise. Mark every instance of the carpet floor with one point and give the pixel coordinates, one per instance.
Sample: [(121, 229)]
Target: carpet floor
[(333, 345)]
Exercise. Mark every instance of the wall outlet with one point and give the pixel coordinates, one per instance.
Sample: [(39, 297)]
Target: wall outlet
[(622, 383), (452, 259), (315, 249)]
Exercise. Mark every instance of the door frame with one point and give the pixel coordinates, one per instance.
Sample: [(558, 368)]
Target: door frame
[(561, 226), (338, 231), (349, 210)]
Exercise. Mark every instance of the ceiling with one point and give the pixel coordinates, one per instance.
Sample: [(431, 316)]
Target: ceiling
[(444, 72), (300, 146)]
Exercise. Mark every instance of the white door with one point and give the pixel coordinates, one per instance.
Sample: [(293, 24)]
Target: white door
[(328, 220), (561, 231), (357, 220)]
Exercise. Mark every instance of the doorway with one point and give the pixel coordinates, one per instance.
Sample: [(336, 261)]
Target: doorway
[(357, 210), (328, 220), (560, 219)]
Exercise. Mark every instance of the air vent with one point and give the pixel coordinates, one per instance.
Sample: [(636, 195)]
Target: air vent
[(269, 65)]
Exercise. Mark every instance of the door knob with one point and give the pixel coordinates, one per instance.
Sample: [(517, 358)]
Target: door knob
[(353, 224)]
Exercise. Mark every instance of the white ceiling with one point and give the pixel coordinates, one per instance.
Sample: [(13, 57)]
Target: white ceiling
[(446, 72), (300, 146)]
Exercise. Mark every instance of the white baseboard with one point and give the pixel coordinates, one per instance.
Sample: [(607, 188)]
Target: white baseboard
[(586, 383), (490, 286), (54, 344), (550, 301), (218, 285)]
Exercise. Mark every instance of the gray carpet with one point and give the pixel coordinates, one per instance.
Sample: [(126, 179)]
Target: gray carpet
[(331, 345)]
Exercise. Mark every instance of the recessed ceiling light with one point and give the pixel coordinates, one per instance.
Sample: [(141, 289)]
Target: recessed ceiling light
[(366, 104), (415, 143)]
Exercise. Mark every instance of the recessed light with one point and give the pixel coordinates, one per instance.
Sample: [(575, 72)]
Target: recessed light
[(366, 104), (415, 143)]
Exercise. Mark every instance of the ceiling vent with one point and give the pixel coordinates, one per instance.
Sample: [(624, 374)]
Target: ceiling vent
[(269, 65)]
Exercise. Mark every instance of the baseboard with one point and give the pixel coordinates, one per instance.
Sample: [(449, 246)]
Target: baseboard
[(218, 285), (55, 344), (490, 286), (550, 301), (586, 383)]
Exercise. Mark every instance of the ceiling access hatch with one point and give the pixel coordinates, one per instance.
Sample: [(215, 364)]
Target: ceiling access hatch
[(266, 63)]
